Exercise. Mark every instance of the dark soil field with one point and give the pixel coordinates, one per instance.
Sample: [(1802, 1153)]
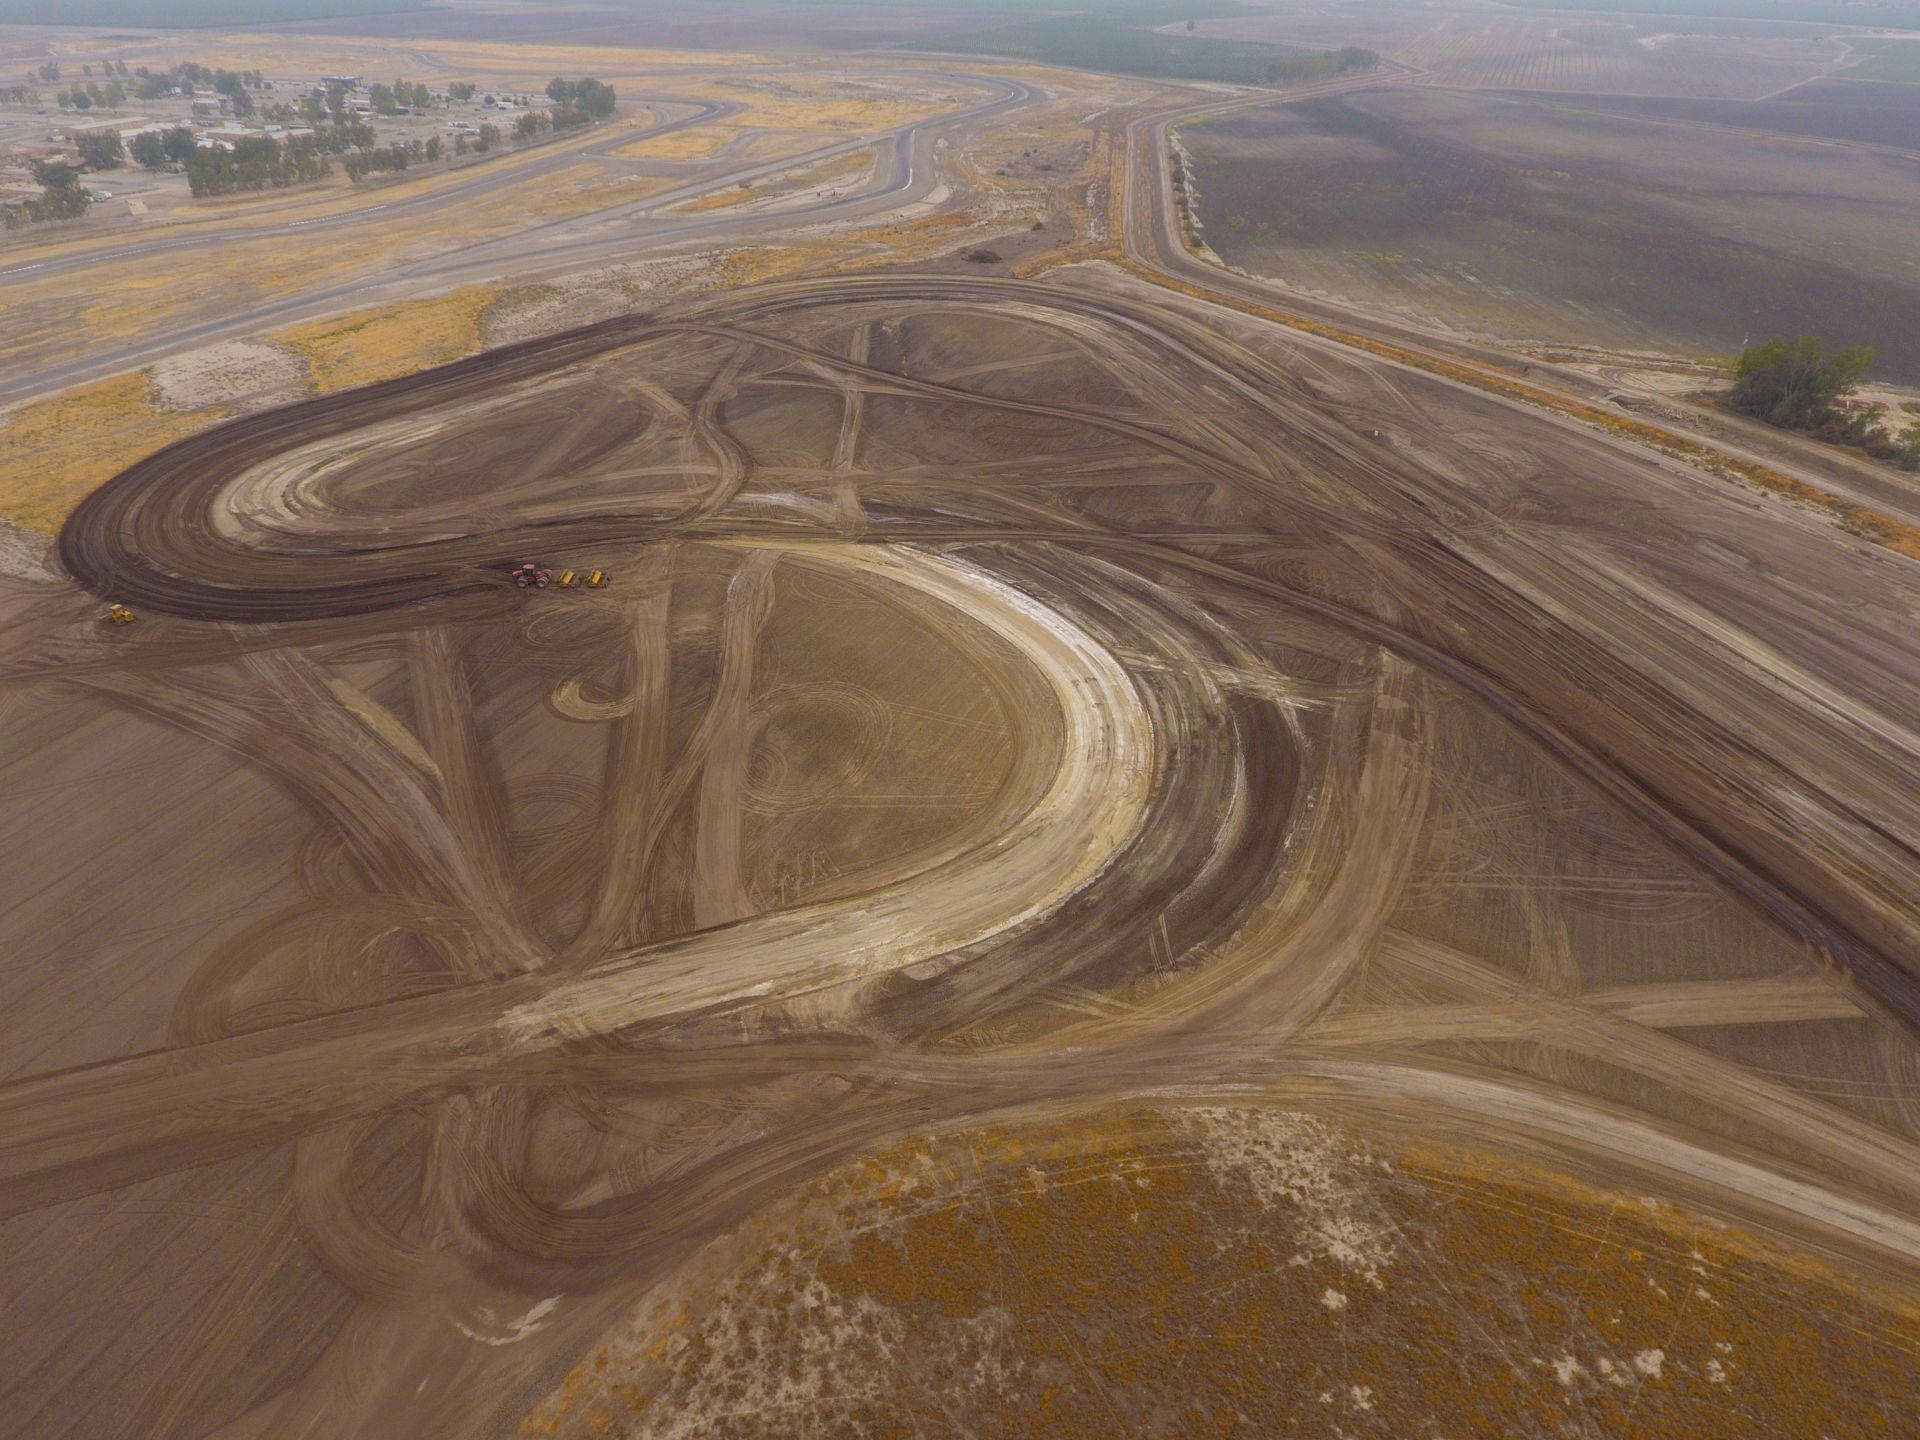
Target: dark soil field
[(1874, 112), (1533, 220)]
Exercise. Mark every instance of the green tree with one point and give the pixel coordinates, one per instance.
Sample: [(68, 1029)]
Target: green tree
[(149, 151), (62, 196), (488, 137), (434, 148), (178, 144), (81, 100), (383, 100), (1794, 383), (100, 149), (594, 98), (460, 90), (578, 101)]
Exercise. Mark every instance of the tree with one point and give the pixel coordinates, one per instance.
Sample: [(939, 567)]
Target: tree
[(115, 96), (459, 144), (460, 90), (62, 197), (100, 149), (433, 148), (594, 98), (50, 71), (81, 100), (234, 87), (578, 101), (1794, 383), (383, 100), (530, 124), (148, 150), (488, 137), (179, 145)]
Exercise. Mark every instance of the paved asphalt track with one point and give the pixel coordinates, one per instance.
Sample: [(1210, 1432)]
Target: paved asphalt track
[(903, 174)]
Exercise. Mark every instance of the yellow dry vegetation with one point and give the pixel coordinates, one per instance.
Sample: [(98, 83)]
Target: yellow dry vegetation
[(502, 57), (698, 142), (389, 341), (894, 242), (54, 451), (820, 174), (842, 109)]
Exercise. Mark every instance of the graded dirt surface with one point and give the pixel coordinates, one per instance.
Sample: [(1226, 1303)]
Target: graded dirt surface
[(1540, 220), (1123, 852), (1425, 933)]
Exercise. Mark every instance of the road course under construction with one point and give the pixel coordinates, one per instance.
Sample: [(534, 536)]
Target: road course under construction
[(1266, 642)]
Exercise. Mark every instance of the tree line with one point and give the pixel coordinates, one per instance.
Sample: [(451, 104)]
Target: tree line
[(145, 84), (1797, 384), (255, 163)]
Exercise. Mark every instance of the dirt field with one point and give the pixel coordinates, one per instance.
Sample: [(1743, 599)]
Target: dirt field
[(980, 727), (1839, 109), (1544, 221), (1109, 853), (1696, 56)]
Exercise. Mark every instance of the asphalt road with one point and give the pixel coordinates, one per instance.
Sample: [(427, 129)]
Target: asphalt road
[(904, 174)]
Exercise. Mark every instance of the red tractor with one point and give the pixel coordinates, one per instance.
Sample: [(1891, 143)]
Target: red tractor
[(531, 577)]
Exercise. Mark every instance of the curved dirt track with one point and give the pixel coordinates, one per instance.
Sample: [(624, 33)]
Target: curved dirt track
[(150, 538), (1157, 718)]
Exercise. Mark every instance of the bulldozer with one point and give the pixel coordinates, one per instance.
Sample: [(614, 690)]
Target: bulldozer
[(566, 579), (597, 579), (118, 614)]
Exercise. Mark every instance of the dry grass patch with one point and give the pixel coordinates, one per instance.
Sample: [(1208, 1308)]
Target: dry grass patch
[(54, 451), (839, 167), (385, 343), (697, 142)]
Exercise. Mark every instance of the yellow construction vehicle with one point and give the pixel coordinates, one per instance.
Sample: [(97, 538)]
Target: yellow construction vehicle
[(565, 579), (118, 615), (596, 579)]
